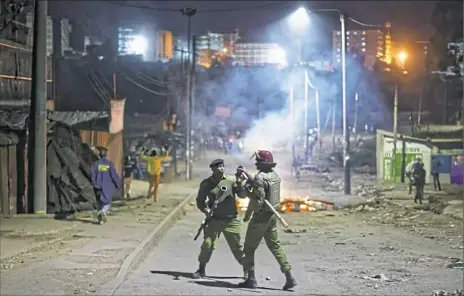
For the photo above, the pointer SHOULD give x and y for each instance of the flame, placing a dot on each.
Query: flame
(292, 204)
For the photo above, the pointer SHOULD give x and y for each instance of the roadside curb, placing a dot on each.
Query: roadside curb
(139, 253)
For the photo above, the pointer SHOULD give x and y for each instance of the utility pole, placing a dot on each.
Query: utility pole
(395, 130)
(56, 58)
(355, 123)
(318, 120)
(189, 12)
(192, 102)
(346, 135)
(37, 144)
(305, 133)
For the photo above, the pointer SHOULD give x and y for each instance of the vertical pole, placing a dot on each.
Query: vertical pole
(292, 121)
(403, 159)
(355, 123)
(37, 171)
(191, 103)
(56, 57)
(421, 97)
(445, 103)
(187, 113)
(318, 120)
(115, 95)
(333, 123)
(346, 136)
(395, 131)
(305, 133)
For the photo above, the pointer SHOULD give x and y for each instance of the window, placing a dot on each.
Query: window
(363, 43)
(364, 32)
(338, 49)
(363, 49)
(356, 33)
(338, 33)
(348, 43)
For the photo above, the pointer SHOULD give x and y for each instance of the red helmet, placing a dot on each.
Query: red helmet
(263, 156)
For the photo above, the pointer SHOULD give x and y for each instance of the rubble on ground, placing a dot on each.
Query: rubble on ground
(444, 293)
(365, 190)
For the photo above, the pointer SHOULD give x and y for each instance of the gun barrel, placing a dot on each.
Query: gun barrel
(279, 217)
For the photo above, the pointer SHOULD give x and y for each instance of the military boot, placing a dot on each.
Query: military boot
(200, 273)
(290, 281)
(250, 282)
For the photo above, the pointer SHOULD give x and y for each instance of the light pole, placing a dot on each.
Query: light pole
(402, 56)
(189, 12)
(346, 136)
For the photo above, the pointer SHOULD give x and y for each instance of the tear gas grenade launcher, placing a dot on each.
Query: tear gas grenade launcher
(210, 214)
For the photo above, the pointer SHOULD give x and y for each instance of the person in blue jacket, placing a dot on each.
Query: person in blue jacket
(105, 181)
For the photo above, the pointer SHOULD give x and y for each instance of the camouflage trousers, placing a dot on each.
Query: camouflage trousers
(230, 228)
(263, 225)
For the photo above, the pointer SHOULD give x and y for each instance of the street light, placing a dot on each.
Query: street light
(402, 56)
(346, 137)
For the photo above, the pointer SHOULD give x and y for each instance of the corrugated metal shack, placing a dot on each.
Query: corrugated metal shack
(13, 138)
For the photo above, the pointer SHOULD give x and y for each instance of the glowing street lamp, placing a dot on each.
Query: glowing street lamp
(299, 20)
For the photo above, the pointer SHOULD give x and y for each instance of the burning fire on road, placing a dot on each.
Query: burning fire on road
(294, 204)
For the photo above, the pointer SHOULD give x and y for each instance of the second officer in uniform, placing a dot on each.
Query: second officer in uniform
(225, 217)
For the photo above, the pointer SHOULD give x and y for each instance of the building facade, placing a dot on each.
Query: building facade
(373, 44)
(258, 54)
(66, 30)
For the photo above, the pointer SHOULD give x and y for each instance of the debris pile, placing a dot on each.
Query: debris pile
(372, 190)
(444, 293)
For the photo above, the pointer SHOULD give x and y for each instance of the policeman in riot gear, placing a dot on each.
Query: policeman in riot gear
(224, 220)
(263, 224)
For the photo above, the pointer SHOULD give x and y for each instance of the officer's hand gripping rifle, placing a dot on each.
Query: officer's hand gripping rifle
(210, 214)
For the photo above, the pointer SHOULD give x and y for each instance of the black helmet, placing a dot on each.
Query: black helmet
(102, 152)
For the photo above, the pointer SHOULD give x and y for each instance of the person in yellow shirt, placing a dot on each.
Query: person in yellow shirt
(154, 171)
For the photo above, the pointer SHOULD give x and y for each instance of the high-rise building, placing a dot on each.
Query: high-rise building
(259, 54)
(215, 46)
(66, 30)
(373, 44)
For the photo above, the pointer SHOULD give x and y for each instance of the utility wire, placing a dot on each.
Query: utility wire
(363, 24)
(161, 9)
(141, 86)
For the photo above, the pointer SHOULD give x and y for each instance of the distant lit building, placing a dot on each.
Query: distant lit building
(373, 44)
(66, 30)
(126, 37)
(215, 46)
(259, 54)
(165, 48)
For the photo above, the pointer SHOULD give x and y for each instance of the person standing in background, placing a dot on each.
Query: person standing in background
(105, 180)
(419, 181)
(154, 171)
(436, 164)
(130, 167)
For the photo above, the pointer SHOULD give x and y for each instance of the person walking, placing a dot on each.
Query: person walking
(436, 164)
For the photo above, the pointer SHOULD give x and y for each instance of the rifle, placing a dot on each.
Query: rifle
(248, 213)
(210, 214)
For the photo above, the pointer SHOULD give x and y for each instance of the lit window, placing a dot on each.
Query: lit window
(363, 43)
(364, 32)
(356, 33)
(363, 38)
(338, 49)
(348, 33)
(363, 49)
(338, 33)
(348, 38)
(348, 43)
(338, 60)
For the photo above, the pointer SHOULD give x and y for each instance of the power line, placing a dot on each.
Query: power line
(363, 24)
(161, 9)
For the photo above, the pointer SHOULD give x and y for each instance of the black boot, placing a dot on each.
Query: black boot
(250, 282)
(290, 281)
(200, 273)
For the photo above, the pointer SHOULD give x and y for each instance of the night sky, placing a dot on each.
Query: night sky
(410, 19)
